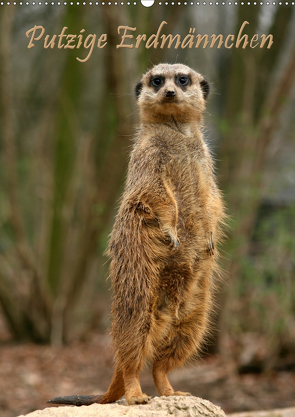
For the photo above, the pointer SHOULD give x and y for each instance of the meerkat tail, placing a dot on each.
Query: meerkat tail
(77, 400)
(115, 391)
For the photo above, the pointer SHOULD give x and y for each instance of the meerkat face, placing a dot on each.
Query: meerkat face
(172, 90)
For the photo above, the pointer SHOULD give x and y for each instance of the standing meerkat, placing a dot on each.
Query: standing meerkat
(163, 243)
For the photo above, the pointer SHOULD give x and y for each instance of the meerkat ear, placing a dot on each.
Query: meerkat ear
(205, 88)
(138, 89)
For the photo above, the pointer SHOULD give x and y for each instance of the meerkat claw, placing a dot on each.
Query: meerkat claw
(141, 399)
(210, 245)
(174, 240)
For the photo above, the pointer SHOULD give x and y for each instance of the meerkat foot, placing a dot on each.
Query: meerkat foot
(140, 399)
(172, 393)
(133, 392)
(180, 393)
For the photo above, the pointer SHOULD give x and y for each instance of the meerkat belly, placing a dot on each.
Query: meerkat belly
(188, 269)
(179, 287)
(176, 303)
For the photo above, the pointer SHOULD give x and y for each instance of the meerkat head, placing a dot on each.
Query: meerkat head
(171, 91)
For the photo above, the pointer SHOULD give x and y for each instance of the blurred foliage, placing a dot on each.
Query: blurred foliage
(267, 278)
(264, 296)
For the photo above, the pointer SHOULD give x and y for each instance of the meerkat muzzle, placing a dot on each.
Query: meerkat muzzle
(170, 93)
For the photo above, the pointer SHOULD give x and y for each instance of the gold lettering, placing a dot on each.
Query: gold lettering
(140, 38)
(254, 39)
(31, 44)
(214, 40)
(51, 43)
(102, 38)
(153, 39)
(80, 37)
(189, 39)
(226, 41)
(70, 39)
(124, 36)
(62, 35)
(171, 40)
(264, 39)
(244, 37)
(199, 40)
(90, 45)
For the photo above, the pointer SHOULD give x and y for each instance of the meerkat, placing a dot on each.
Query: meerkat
(163, 244)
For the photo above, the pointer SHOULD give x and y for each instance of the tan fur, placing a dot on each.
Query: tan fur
(161, 246)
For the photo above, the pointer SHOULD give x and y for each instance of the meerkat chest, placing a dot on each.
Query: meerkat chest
(188, 171)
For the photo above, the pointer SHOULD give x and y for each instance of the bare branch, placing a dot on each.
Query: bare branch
(273, 107)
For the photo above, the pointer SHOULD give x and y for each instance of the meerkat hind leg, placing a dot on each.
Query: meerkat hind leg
(160, 375)
(133, 392)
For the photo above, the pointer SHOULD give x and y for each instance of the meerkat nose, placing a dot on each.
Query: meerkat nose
(170, 93)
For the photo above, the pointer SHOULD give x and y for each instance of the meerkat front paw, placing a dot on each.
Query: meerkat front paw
(140, 207)
(146, 215)
(210, 245)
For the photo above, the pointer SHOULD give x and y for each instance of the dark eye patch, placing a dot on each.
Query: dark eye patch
(138, 89)
(157, 81)
(205, 88)
(183, 80)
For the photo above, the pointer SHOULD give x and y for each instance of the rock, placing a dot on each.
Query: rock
(157, 407)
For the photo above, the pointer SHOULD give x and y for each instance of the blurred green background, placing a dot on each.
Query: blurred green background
(65, 135)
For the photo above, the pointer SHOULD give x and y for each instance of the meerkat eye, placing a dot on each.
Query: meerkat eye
(157, 81)
(183, 80)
